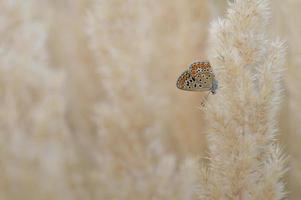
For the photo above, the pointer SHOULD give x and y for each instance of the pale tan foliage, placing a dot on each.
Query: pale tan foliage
(32, 107)
(244, 161)
(289, 25)
(166, 38)
(89, 107)
(133, 114)
(69, 130)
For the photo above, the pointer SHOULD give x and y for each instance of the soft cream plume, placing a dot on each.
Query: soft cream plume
(245, 162)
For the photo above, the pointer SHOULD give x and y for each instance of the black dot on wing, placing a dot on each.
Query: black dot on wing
(195, 85)
(193, 78)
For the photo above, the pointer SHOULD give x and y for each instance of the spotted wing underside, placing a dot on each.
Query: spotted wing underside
(198, 82)
(199, 67)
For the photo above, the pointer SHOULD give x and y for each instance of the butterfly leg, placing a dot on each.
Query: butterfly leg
(204, 100)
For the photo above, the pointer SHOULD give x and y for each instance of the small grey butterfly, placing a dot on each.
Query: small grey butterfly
(199, 77)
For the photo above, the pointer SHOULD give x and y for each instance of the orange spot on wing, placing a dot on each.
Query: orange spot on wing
(206, 65)
(182, 79)
(203, 66)
(194, 68)
(193, 72)
(181, 82)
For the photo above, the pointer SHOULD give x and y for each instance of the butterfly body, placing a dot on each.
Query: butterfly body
(199, 77)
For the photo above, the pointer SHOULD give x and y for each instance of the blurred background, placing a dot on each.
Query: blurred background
(89, 107)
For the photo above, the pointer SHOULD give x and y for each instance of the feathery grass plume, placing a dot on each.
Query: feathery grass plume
(131, 49)
(291, 29)
(169, 42)
(32, 125)
(245, 162)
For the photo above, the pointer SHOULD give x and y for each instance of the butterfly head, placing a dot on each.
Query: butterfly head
(214, 86)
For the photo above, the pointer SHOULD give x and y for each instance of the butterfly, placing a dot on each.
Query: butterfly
(199, 77)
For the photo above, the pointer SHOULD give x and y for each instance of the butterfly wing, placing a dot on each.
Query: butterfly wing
(199, 82)
(183, 81)
(204, 81)
(199, 77)
(200, 67)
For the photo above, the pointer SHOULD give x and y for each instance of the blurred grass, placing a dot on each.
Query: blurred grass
(50, 135)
